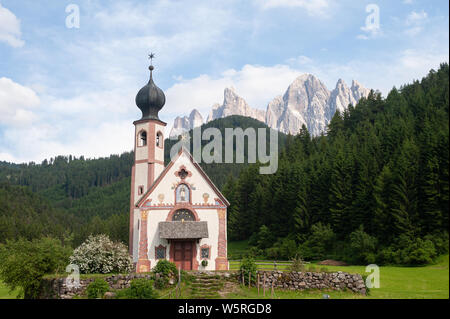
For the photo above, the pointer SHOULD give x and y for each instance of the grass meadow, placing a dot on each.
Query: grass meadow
(428, 282)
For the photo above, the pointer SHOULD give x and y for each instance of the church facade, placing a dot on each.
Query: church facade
(176, 212)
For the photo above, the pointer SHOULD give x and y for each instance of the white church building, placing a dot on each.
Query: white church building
(176, 212)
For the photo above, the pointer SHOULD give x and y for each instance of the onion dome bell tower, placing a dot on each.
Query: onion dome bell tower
(148, 149)
(150, 99)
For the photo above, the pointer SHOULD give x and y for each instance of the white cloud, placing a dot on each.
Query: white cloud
(415, 22)
(258, 85)
(15, 103)
(312, 7)
(10, 28)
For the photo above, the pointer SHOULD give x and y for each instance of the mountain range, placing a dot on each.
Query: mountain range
(307, 101)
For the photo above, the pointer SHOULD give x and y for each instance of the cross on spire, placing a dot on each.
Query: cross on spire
(150, 57)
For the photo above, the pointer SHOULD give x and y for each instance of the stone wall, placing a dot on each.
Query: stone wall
(55, 288)
(313, 280)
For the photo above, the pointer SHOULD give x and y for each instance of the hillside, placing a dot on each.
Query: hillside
(375, 189)
(85, 195)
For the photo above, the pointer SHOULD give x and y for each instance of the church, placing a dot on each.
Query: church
(176, 212)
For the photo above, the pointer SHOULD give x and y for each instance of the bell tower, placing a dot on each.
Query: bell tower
(148, 149)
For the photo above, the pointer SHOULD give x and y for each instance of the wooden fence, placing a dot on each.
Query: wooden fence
(264, 264)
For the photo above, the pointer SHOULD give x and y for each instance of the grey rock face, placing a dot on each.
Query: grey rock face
(304, 103)
(186, 123)
(307, 101)
(342, 96)
(234, 105)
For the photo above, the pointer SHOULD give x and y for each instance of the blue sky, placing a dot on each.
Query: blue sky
(71, 90)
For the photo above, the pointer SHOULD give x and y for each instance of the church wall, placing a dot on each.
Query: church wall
(209, 215)
(156, 216)
(140, 178)
(166, 185)
(141, 152)
(164, 196)
(136, 235)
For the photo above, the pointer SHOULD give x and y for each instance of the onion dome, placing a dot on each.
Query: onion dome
(150, 99)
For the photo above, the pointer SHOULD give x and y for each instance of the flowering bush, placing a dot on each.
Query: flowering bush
(97, 288)
(98, 254)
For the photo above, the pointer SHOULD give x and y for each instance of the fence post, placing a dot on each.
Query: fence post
(264, 284)
(179, 283)
(249, 278)
(275, 265)
(243, 282)
(272, 289)
(258, 284)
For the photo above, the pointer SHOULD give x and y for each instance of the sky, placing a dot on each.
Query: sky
(68, 82)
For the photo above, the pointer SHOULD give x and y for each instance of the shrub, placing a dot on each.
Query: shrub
(166, 270)
(318, 243)
(23, 263)
(248, 266)
(98, 254)
(408, 251)
(139, 289)
(362, 246)
(264, 239)
(297, 264)
(440, 241)
(161, 282)
(97, 288)
(284, 248)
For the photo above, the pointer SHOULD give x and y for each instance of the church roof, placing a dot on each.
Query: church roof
(150, 99)
(167, 168)
(183, 230)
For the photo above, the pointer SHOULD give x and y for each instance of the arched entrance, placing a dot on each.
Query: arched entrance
(184, 251)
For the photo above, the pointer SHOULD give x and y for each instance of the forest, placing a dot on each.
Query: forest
(374, 188)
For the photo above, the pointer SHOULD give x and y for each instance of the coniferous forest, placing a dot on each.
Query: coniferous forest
(373, 189)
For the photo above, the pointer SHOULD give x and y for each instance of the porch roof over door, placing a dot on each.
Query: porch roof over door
(183, 230)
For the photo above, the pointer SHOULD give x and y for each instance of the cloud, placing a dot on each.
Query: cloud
(312, 7)
(372, 27)
(415, 22)
(15, 103)
(258, 85)
(10, 28)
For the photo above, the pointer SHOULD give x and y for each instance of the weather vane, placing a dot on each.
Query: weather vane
(150, 57)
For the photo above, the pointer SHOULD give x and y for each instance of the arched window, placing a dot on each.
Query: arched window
(182, 193)
(142, 139)
(183, 215)
(159, 139)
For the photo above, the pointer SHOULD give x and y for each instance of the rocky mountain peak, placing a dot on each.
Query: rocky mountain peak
(307, 101)
(186, 123)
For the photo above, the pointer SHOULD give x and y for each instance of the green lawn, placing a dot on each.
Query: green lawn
(395, 283)
(5, 293)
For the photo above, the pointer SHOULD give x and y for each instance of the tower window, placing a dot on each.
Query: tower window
(140, 190)
(159, 139)
(142, 140)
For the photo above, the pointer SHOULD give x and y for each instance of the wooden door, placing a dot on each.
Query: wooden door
(183, 254)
